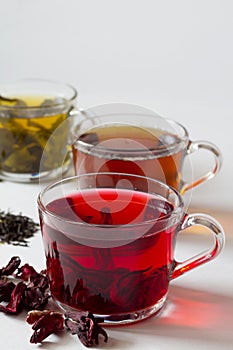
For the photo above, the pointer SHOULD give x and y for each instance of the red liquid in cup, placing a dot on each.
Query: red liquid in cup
(110, 279)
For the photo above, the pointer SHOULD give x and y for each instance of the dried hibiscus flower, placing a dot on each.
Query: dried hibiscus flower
(83, 324)
(6, 288)
(44, 323)
(30, 293)
(26, 271)
(10, 268)
(37, 293)
(86, 326)
(16, 301)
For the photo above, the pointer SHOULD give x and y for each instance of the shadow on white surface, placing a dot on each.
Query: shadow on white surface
(205, 319)
(190, 320)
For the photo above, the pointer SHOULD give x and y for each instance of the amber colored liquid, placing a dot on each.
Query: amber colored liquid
(110, 279)
(130, 149)
(24, 134)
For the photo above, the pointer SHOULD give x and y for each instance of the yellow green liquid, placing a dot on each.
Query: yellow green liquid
(24, 133)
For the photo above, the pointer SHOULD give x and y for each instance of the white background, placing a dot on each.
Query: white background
(175, 57)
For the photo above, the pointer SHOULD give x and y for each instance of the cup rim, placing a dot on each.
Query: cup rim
(71, 99)
(135, 154)
(176, 213)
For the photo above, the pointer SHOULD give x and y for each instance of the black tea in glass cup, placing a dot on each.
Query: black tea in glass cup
(132, 139)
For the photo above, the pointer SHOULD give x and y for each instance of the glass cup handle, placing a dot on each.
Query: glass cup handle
(195, 146)
(74, 116)
(81, 113)
(216, 229)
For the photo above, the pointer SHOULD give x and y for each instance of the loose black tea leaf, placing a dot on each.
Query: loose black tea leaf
(16, 229)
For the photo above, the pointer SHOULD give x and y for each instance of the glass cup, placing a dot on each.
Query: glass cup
(109, 243)
(132, 139)
(30, 112)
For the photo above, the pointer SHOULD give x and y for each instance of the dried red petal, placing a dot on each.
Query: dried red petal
(35, 299)
(37, 292)
(26, 271)
(16, 300)
(10, 268)
(86, 326)
(33, 295)
(39, 280)
(6, 289)
(35, 315)
(44, 323)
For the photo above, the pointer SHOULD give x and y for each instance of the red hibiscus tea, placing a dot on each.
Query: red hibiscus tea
(109, 242)
(116, 257)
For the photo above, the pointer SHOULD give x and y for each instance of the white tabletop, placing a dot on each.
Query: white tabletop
(198, 313)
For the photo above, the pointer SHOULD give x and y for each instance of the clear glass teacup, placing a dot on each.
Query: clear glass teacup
(110, 241)
(31, 111)
(119, 137)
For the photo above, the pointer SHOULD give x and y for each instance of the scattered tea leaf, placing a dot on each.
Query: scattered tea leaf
(16, 229)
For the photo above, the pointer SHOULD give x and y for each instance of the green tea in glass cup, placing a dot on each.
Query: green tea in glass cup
(33, 116)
